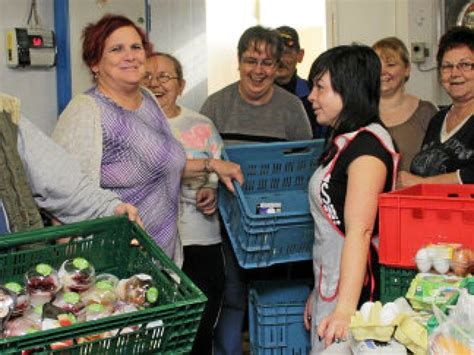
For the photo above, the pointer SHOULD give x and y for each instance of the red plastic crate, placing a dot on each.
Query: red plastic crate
(413, 217)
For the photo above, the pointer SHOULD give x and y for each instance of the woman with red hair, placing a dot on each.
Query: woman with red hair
(121, 136)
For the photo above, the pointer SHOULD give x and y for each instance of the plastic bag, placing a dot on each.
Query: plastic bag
(455, 334)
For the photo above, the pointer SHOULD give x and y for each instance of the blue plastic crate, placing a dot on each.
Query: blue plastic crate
(276, 311)
(277, 172)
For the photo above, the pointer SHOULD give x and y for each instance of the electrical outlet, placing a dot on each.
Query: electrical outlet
(418, 52)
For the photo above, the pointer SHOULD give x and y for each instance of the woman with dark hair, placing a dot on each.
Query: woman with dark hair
(121, 137)
(447, 152)
(359, 163)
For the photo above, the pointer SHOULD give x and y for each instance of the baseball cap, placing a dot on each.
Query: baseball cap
(289, 36)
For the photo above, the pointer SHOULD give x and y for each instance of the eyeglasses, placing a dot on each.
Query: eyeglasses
(461, 66)
(162, 77)
(254, 62)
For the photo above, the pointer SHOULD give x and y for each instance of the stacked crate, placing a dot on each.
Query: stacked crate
(274, 173)
(411, 218)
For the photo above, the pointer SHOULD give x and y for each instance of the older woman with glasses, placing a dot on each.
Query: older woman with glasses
(198, 225)
(447, 152)
(121, 137)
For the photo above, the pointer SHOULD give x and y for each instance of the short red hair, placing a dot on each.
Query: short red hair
(94, 36)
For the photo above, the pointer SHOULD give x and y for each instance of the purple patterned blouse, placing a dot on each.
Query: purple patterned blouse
(142, 162)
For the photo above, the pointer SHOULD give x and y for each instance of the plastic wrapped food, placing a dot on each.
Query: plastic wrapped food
(35, 314)
(7, 306)
(461, 262)
(22, 298)
(55, 317)
(96, 311)
(123, 308)
(20, 326)
(139, 290)
(70, 302)
(103, 291)
(77, 275)
(93, 312)
(42, 283)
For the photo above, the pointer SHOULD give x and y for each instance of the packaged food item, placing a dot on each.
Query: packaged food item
(103, 291)
(427, 289)
(20, 326)
(123, 308)
(77, 275)
(379, 324)
(42, 283)
(461, 261)
(55, 317)
(139, 290)
(413, 334)
(269, 207)
(373, 347)
(455, 332)
(7, 306)
(93, 312)
(444, 256)
(69, 302)
(423, 260)
(96, 311)
(35, 314)
(22, 298)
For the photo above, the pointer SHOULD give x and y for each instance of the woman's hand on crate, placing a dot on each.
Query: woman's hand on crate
(227, 171)
(129, 210)
(406, 179)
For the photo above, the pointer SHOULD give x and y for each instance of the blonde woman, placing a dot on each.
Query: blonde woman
(406, 116)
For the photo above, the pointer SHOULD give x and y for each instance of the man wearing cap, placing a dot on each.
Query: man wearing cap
(287, 78)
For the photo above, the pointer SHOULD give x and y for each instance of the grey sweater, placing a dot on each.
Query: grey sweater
(56, 180)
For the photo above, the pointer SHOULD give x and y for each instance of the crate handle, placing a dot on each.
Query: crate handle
(299, 150)
(53, 233)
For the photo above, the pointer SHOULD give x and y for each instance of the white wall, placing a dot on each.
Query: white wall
(226, 21)
(223, 32)
(178, 27)
(36, 88)
(83, 12)
(367, 21)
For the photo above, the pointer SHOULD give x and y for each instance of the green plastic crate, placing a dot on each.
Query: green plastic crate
(169, 327)
(394, 282)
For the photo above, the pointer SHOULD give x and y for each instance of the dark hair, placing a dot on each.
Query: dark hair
(457, 36)
(94, 36)
(256, 35)
(355, 76)
(176, 63)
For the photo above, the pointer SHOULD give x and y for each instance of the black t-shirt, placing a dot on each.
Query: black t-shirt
(457, 152)
(365, 143)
